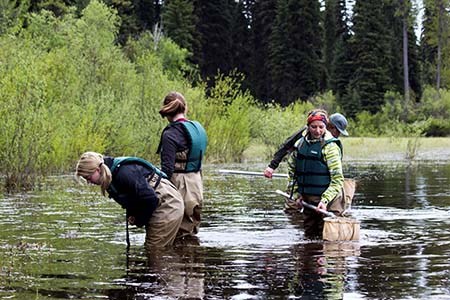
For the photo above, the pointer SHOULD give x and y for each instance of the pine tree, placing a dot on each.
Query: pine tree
(280, 55)
(393, 26)
(178, 21)
(214, 22)
(146, 14)
(415, 70)
(434, 42)
(129, 23)
(58, 7)
(295, 50)
(372, 57)
(335, 31)
(428, 48)
(308, 52)
(241, 40)
(263, 13)
(342, 73)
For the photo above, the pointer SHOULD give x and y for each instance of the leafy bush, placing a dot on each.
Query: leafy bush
(435, 104)
(227, 115)
(437, 127)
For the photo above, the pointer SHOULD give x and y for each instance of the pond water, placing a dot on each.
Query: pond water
(68, 242)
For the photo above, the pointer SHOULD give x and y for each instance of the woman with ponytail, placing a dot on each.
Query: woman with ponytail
(146, 194)
(182, 148)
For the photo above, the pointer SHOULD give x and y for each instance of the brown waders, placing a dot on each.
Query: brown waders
(165, 222)
(313, 221)
(190, 186)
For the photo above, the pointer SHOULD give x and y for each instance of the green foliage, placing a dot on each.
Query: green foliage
(326, 101)
(12, 15)
(429, 118)
(173, 58)
(435, 104)
(273, 124)
(434, 111)
(437, 127)
(227, 115)
(66, 88)
(385, 122)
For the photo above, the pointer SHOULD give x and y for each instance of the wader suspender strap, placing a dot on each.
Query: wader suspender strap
(158, 180)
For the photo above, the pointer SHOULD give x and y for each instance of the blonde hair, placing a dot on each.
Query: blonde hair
(88, 163)
(173, 104)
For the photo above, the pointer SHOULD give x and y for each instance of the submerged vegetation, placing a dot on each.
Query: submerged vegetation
(67, 87)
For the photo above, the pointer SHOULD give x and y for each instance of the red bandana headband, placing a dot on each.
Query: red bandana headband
(317, 117)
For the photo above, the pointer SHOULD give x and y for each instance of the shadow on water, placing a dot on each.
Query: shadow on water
(67, 242)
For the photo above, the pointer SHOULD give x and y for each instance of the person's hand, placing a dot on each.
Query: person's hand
(131, 220)
(322, 206)
(299, 202)
(268, 172)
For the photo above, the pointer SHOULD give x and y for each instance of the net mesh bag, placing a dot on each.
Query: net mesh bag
(341, 229)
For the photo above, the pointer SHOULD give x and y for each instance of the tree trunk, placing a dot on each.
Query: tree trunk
(405, 56)
(441, 12)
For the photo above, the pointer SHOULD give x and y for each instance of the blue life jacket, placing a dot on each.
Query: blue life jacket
(311, 171)
(197, 140)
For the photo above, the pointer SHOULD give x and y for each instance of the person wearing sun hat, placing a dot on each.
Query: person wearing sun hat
(337, 125)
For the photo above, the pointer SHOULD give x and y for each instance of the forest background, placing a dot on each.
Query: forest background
(78, 75)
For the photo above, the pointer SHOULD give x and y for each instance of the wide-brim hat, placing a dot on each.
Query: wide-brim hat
(340, 122)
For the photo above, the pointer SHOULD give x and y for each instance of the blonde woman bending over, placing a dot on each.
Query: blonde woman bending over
(146, 194)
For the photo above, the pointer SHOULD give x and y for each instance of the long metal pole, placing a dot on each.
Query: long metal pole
(248, 173)
(327, 213)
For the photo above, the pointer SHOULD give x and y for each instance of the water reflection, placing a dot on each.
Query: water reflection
(321, 269)
(170, 274)
(66, 243)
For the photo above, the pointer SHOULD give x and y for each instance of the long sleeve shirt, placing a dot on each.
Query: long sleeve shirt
(286, 148)
(173, 139)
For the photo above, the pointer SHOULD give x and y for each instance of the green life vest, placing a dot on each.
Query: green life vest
(198, 141)
(311, 171)
(119, 161)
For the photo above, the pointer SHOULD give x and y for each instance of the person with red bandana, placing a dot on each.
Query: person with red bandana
(337, 126)
(316, 169)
